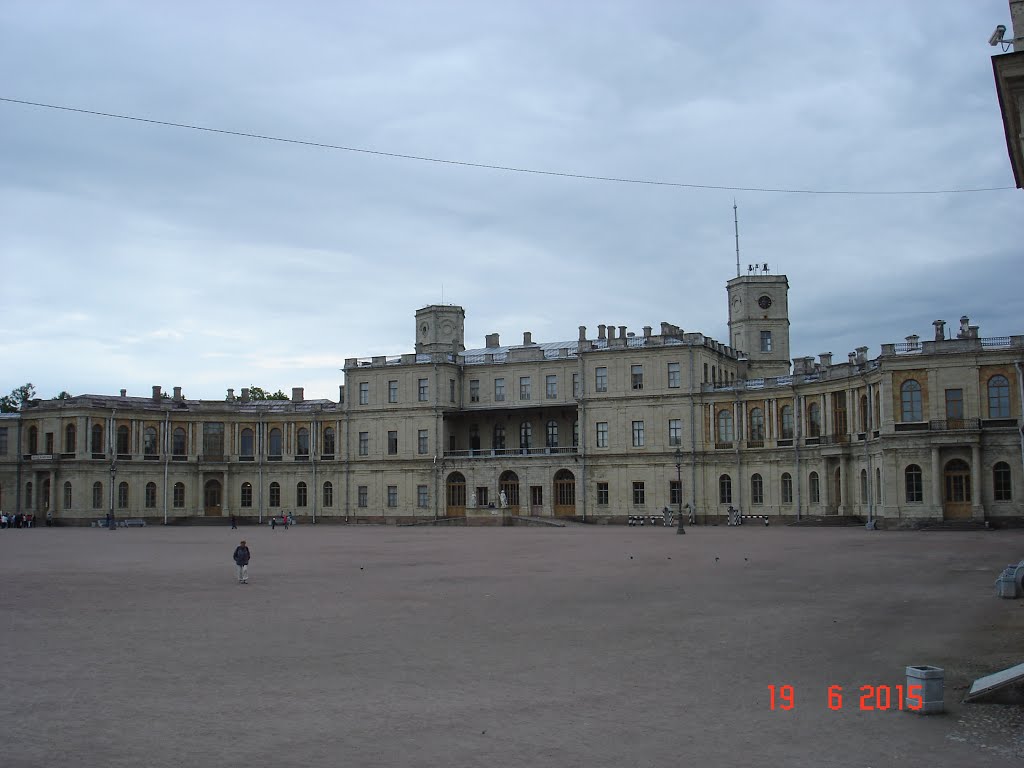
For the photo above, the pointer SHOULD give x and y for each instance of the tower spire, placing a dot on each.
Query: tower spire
(736, 225)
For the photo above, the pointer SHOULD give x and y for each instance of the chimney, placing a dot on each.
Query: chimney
(862, 355)
(177, 393)
(296, 394)
(491, 340)
(156, 393)
(600, 331)
(666, 328)
(527, 338)
(583, 333)
(913, 339)
(124, 393)
(973, 332)
(826, 359)
(611, 333)
(940, 330)
(965, 331)
(245, 394)
(231, 394)
(647, 331)
(622, 331)
(851, 358)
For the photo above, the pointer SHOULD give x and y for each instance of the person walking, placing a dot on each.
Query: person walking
(242, 561)
(234, 525)
(273, 523)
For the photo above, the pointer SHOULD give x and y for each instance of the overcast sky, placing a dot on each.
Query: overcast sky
(135, 254)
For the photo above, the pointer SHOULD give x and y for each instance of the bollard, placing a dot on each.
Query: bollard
(931, 684)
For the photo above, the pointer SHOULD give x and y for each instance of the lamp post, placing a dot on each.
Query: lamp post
(679, 488)
(113, 475)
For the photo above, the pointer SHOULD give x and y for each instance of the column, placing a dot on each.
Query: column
(977, 509)
(936, 500)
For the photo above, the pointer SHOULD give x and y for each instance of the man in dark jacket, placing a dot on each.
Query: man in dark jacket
(242, 561)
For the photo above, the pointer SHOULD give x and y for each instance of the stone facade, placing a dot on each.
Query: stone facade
(595, 428)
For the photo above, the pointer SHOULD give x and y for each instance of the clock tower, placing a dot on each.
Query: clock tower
(440, 328)
(759, 320)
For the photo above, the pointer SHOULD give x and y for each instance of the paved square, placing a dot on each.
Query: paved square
(596, 646)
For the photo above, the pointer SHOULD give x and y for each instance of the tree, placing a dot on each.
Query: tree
(64, 395)
(259, 393)
(12, 403)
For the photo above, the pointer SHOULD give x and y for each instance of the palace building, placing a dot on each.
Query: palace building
(606, 426)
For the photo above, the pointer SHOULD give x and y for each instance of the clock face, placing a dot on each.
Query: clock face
(764, 302)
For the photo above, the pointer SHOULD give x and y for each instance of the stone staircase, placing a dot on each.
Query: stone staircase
(828, 521)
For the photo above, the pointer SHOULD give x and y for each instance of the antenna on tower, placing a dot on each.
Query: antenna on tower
(736, 225)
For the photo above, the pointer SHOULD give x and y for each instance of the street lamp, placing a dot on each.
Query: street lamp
(113, 475)
(679, 488)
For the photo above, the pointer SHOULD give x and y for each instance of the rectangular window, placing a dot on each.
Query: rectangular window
(954, 404)
(392, 495)
(602, 434)
(675, 431)
(213, 439)
(422, 390)
(97, 496)
(524, 387)
(421, 441)
(364, 443)
(636, 376)
(392, 442)
(766, 341)
(638, 434)
(675, 493)
(915, 489)
(392, 391)
(451, 390)
(364, 392)
(364, 493)
(499, 390)
(3, 441)
(638, 494)
(474, 390)
(602, 494)
(537, 495)
(482, 499)
(576, 385)
(551, 386)
(601, 379)
(673, 375)
(179, 495)
(422, 497)
(48, 442)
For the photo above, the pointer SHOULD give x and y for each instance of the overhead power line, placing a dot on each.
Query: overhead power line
(507, 168)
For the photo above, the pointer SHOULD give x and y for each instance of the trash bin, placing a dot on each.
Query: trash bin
(930, 685)
(1008, 583)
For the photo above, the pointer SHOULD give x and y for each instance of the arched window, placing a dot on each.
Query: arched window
(814, 488)
(302, 444)
(328, 494)
(725, 426)
(275, 442)
(149, 441)
(178, 442)
(122, 439)
(756, 424)
(915, 492)
(756, 489)
(725, 490)
(246, 495)
(525, 435)
(248, 443)
(275, 495)
(97, 439)
(300, 495)
(786, 417)
(998, 398)
(150, 495)
(179, 495)
(33, 440)
(69, 438)
(122, 496)
(786, 487)
(67, 494)
(863, 413)
(552, 434)
(1001, 482)
(329, 441)
(97, 495)
(864, 486)
(876, 413)
(499, 437)
(814, 420)
(910, 399)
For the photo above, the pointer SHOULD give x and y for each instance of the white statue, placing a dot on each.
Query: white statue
(503, 500)
(472, 500)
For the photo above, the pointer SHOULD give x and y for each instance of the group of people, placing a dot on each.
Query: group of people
(16, 521)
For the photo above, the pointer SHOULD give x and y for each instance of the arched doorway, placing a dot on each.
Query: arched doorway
(508, 484)
(456, 495)
(211, 498)
(565, 494)
(956, 504)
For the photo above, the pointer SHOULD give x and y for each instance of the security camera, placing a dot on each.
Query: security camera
(997, 36)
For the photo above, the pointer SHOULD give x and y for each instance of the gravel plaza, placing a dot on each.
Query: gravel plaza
(583, 645)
